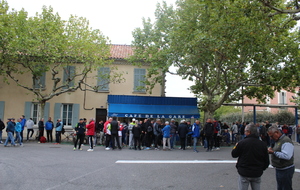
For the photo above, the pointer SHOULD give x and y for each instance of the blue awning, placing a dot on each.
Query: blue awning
(152, 107)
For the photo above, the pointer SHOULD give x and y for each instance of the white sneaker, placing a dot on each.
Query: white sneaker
(1, 142)
(90, 150)
(107, 148)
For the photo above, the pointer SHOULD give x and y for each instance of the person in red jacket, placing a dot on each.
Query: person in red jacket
(90, 133)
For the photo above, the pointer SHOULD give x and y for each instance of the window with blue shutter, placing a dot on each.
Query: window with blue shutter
(103, 79)
(2, 105)
(69, 73)
(40, 81)
(139, 78)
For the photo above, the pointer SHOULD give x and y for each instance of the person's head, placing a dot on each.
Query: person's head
(30, 118)
(274, 133)
(101, 121)
(197, 122)
(188, 122)
(80, 120)
(13, 119)
(182, 121)
(19, 120)
(133, 120)
(49, 118)
(166, 123)
(172, 120)
(226, 130)
(251, 130)
(59, 120)
(109, 119)
(158, 121)
(23, 116)
(208, 120)
(92, 119)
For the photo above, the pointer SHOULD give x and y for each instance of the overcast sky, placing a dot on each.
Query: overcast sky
(115, 18)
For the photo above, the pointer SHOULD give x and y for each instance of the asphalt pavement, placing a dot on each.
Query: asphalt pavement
(56, 167)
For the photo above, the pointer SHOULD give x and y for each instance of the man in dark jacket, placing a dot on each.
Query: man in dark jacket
(157, 127)
(253, 159)
(79, 131)
(173, 133)
(208, 131)
(2, 126)
(182, 131)
(137, 131)
(10, 129)
(114, 133)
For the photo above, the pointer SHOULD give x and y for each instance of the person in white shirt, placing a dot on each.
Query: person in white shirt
(29, 124)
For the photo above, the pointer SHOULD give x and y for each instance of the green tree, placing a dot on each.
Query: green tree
(220, 47)
(45, 43)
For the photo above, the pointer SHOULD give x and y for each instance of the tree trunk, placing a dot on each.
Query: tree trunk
(42, 109)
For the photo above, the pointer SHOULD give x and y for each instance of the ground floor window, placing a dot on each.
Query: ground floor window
(67, 113)
(35, 109)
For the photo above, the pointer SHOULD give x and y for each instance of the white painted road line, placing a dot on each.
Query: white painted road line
(182, 162)
(176, 161)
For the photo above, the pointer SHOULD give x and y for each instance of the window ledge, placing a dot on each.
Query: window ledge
(103, 91)
(139, 92)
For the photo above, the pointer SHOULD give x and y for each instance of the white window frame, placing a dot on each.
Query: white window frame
(67, 112)
(284, 98)
(34, 113)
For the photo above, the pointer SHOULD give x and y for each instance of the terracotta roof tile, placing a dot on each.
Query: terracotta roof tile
(120, 51)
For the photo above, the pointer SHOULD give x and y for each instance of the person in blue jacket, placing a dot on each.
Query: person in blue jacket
(18, 129)
(10, 130)
(166, 136)
(196, 133)
(49, 127)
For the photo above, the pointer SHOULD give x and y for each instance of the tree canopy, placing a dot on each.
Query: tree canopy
(221, 47)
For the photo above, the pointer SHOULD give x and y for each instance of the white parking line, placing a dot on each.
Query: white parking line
(182, 162)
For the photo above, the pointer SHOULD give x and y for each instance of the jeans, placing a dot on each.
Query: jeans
(90, 139)
(130, 139)
(11, 137)
(165, 140)
(101, 137)
(18, 134)
(95, 138)
(284, 178)
(195, 143)
(28, 131)
(173, 140)
(58, 137)
(245, 181)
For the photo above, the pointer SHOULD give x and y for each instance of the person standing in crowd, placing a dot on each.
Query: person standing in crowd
(41, 128)
(29, 124)
(166, 136)
(137, 131)
(263, 133)
(100, 127)
(107, 133)
(234, 133)
(253, 159)
(49, 127)
(157, 133)
(208, 133)
(90, 133)
(282, 157)
(18, 130)
(182, 131)
(79, 131)
(148, 134)
(189, 135)
(96, 133)
(130, 134)
(217, 129)
(23, 122)
(268, 124)
(173, 133)
(10, 130)
(2, 126)
(196, 133)
(59, 126)
(114, 133)
(298, 133)
(143, 135)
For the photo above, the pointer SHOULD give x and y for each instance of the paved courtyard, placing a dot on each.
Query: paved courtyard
(55, 167)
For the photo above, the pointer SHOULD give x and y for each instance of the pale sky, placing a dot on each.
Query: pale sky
(115, 18)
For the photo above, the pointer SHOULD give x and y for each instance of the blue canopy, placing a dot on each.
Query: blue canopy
(152, 107)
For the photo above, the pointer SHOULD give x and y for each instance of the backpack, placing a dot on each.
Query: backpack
(63, 130)
(149, 129)
(42, 139)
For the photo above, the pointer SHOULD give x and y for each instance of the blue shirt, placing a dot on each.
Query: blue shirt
(166, 130)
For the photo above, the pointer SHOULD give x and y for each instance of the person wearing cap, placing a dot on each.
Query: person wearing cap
(18, 129)
(79, 131)
(10, 130)
(166, 136)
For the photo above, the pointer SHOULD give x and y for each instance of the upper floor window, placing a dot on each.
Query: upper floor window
(69, 72)
(103, 79)
(139, 78)
(40, 81)
(282, 99)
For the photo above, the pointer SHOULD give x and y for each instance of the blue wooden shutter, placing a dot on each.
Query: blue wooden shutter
(57, 111)
(27, 110)
(69, 72)
(2, 106)
(75, 117)
(46, 111)
(103, 78)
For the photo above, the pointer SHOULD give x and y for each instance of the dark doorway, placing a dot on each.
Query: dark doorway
(101, 115)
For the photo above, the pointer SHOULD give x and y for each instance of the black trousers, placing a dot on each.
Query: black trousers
(210, 142)
(216, 140)
(149, 138)
(113, 138)
(41, 133)
(137, 142)
(49, 135)
(90, 137)
(157, 140)
(80, 138)
(108, 137)
(182, 142)
(28, 131)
